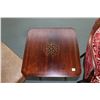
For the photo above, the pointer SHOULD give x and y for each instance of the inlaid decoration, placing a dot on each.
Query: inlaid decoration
(52, 49)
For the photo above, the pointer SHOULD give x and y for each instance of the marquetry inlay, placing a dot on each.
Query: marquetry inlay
(52, 49)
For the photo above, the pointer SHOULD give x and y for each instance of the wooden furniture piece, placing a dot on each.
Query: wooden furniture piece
(51, 52)
(10, 66)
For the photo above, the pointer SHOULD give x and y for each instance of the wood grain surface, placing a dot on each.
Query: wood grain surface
(51, 52)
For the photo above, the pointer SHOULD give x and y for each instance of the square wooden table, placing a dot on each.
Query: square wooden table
(51, 52)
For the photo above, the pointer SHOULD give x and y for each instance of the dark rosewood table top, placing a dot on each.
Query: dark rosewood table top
(51, 52)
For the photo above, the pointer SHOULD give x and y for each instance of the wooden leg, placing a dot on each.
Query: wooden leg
(65, 78)
(40, 78)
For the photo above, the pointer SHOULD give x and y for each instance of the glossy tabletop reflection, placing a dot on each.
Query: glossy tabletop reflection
(51, 52)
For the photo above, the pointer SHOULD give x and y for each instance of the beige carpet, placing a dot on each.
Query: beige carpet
(10, 65)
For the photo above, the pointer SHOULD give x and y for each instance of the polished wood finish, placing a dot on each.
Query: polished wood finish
(51, 52)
